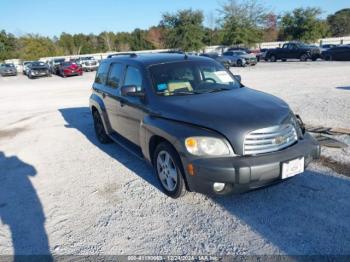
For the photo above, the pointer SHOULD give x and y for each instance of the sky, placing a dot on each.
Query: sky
(52, 17)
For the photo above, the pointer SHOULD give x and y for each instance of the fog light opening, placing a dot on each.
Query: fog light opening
(218, 187)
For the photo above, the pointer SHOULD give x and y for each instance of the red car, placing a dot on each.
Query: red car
(69, 69)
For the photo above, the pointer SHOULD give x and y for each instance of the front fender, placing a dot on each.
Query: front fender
(173, 131)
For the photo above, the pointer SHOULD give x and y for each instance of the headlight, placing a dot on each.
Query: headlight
(210, 146)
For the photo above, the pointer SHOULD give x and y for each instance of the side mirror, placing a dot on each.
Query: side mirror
(238, 78)
(131, 91)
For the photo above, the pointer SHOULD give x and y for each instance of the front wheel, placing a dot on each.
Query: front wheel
(273, 58)
(168, 167)
(240, 63)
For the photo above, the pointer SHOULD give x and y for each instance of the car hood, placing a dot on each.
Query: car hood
(39, 67)
(232, 113)
(11, 69)
(248, 56)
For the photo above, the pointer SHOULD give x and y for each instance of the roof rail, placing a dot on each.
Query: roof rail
(121, 54)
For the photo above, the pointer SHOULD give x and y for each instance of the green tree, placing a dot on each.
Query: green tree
(66, 43)
(8, 45)
(303, 24)
(32, 47)
(139, 40)
(184, 30)
(242, 22)
(339, 22)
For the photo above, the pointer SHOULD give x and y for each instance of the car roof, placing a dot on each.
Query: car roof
(157, 58)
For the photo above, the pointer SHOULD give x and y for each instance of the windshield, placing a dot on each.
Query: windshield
(37, 64)
(239, 53)
(67, 63)
(8, 65)
(58, 60)
(190, 77)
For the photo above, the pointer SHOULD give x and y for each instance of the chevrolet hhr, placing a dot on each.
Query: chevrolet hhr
(199, 127)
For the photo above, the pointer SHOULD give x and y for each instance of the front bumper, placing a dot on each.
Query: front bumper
(244, 173)
(90, 67)
(12, 73)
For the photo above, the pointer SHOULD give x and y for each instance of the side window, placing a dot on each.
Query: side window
(114, 75)
(101, 75)
(133, 77)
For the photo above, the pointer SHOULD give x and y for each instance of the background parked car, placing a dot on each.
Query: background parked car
(25, 65)
(338, 53)
(293, 50)
(240, 58)
(244, 49)
(326, 47)
(38, 69)
(54, 65)
(226, 62)
(8, 70)
(69, 69)
(88, 63)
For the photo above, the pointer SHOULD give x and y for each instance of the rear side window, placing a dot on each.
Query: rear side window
(133, 77)
(101, 75)
(114, 75)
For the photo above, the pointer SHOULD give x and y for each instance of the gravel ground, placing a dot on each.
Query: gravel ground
(61, 192)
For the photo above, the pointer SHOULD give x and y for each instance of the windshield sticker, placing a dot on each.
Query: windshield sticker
(223, 76)
(162, 87)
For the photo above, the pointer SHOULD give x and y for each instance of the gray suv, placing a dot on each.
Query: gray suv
(8, 70)
(197, 125)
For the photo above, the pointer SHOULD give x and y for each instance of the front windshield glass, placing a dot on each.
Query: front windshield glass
(240, 53)
(191, 77)
(38, 64)
(9, 65)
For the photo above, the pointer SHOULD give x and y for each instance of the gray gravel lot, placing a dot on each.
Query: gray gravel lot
(61, 192)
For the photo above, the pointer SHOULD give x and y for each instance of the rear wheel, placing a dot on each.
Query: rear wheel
(239, 62)
(303, 57)
(100, 131)
(168, 167)
(273, 58)
(284, 60)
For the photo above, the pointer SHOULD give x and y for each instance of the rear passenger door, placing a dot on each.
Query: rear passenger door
(108, 79)
(131, 109)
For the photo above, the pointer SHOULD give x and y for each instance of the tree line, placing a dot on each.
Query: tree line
(234, 23)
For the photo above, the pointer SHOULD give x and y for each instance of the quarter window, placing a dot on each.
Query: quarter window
(133, 77)
(101, 75)
(114, 75)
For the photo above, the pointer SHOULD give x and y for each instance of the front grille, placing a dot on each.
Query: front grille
(269, 139)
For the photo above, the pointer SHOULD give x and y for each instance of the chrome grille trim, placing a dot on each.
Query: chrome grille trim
(269, 139)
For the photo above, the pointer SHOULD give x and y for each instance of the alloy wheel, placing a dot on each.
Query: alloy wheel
(167, 170)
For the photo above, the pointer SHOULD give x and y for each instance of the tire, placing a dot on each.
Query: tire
(273, 58)
(100, 131)
(169, 170)
(239, 63)
(303, 57)
(328, 58)
(284, 60)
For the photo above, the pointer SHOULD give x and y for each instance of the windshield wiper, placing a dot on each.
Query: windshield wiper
(180, 92)
(216, 90)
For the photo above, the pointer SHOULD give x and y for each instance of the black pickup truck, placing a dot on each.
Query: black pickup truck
(293, 51)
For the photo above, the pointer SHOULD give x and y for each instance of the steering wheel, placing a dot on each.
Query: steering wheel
(209, 79)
